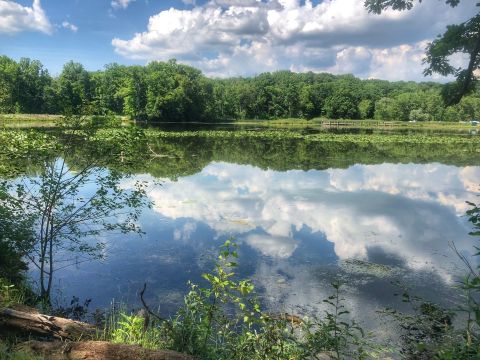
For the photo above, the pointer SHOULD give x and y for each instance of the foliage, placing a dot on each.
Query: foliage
(418, 115)
(16, 237)
(377, 6)
(63, 221)
(169, 91)
(20, 149)
(462, 38)
(130, 329)
(12, 266)
(225, 320)
(10, 294)
(74, 88)
(6, 353)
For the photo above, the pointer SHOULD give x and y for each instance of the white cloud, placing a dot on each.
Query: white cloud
(241, 37)
(185, 233)
(275, 246)
(15, 18)
(411, 211)
(70, 26)
(121, 4)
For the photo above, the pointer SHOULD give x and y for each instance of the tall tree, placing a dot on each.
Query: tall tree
(31, 82)
(461, 38)
(8, 78)
(74, 87)
(134, 92)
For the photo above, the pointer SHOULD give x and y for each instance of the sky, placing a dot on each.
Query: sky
(227, 38)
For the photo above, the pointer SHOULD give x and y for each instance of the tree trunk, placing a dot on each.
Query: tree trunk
(30, 321)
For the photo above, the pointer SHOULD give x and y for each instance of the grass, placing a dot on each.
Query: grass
(10, 294)
(7, 353)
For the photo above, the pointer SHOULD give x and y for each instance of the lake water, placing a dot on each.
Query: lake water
(371, 218)
(377, 215)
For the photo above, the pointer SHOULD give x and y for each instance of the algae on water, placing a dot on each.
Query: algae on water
(361, 267)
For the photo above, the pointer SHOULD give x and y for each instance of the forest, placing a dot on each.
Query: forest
(170, 91)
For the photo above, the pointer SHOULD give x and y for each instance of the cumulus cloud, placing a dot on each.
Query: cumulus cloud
(16, 18)
(185, 233)
(276, 246)
(69, 26)
(121, 4)
(241, 37)
(411, 211)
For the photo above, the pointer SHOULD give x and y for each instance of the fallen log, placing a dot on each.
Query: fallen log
(28, 320)
(96, 350)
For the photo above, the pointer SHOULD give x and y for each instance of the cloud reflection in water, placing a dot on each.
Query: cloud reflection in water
(412, 211)
(298, 230)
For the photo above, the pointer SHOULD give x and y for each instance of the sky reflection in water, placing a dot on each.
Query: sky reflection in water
(298, 230)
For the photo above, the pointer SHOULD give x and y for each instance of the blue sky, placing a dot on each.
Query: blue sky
(97, 22)
(227, 37)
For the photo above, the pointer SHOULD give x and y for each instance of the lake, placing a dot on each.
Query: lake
(379, 212)
(376, 216)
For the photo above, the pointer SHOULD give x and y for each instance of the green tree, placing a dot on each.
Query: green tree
(433, 105)
(108, 86)
(418, 115)
(366, 109)
(134, 92)
(340, 106)
(74, 87)
(451, 114)
(459, 38)
(32, 80)
(8, 81)
(67, 213)
(175, 92)
(469, 108)
(385, 109)
(404, 104)
(308, 106)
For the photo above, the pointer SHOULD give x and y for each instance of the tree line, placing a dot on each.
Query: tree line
(169, 91)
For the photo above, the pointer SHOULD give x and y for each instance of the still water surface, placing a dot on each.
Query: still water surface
(369, 225)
